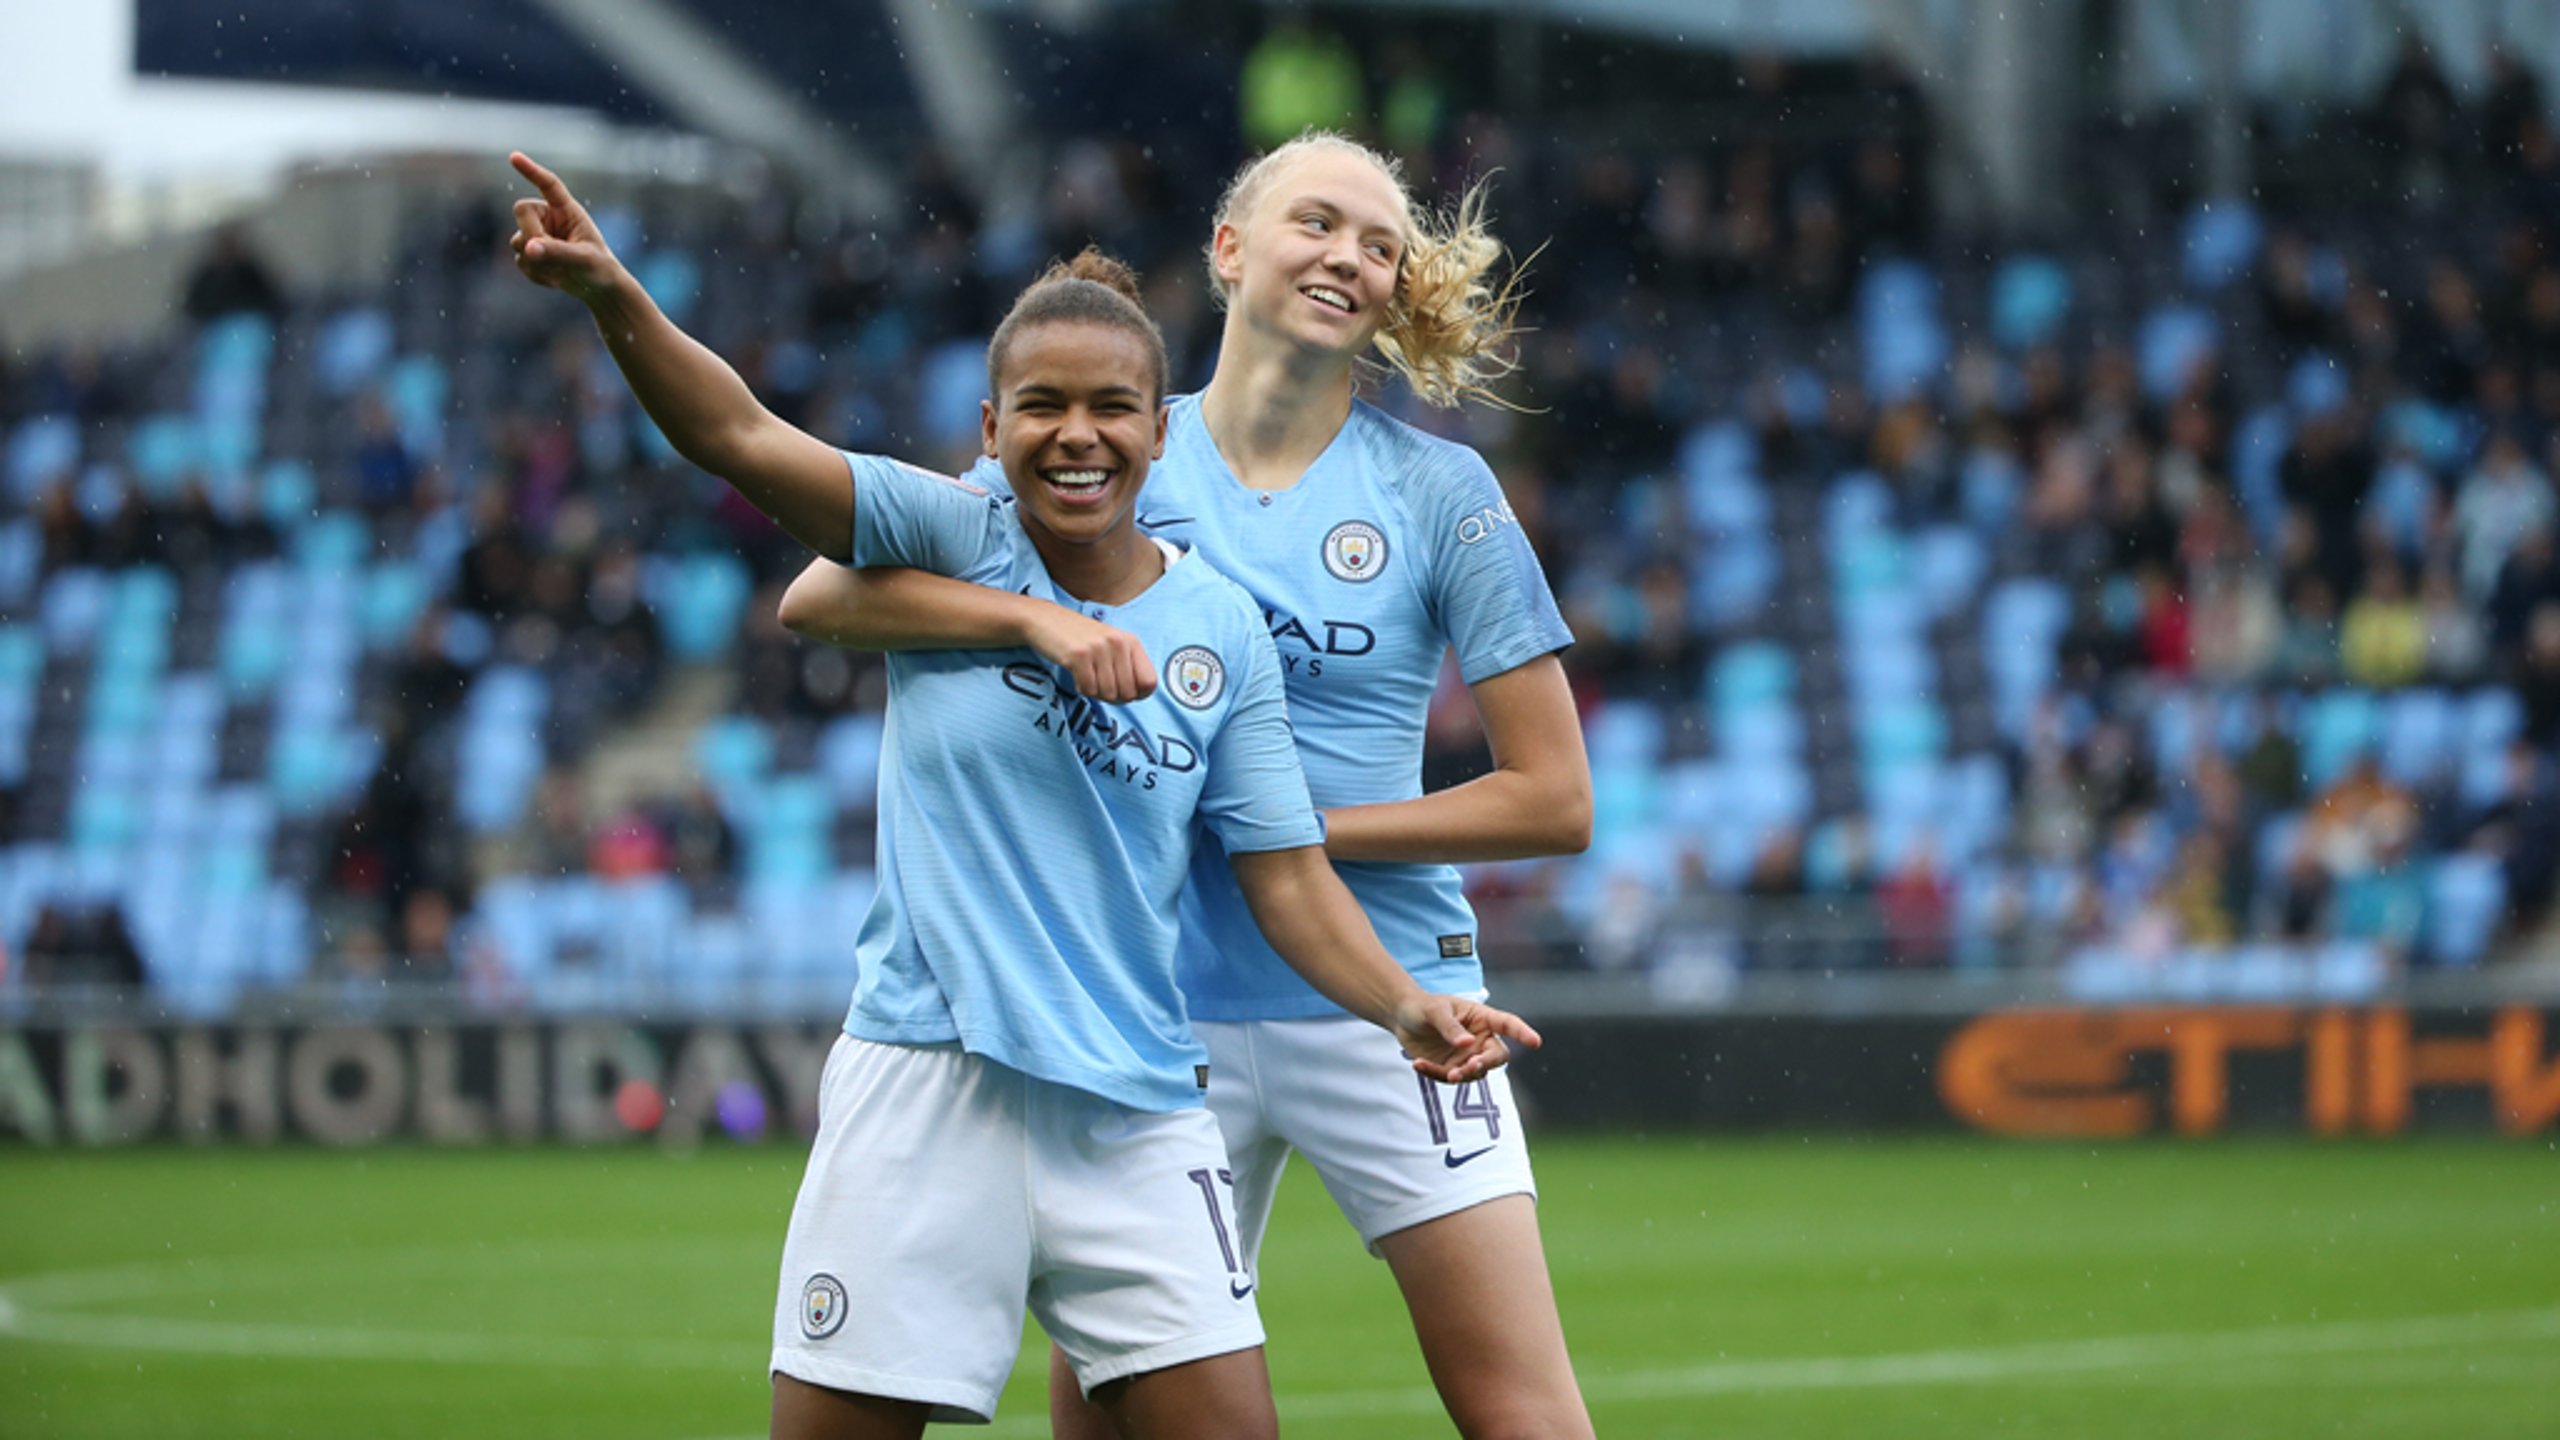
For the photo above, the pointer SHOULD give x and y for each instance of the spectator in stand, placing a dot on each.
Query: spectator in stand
(1300, 78)
(231, 279)
(2503, 500)
(2382, 641)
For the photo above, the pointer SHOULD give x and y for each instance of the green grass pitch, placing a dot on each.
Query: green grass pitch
(1818, 1288)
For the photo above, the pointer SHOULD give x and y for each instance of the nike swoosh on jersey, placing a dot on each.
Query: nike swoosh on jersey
(1156, 522)
(1453, 1160)
(1239, 1291)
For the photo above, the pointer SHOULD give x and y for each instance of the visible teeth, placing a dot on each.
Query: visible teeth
(1076, 479)
(1334, 298)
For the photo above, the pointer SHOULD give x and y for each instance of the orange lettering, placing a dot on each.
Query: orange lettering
(2526, 1089)
(2200, 1043)
(2043, 1073)
(2328, 1080)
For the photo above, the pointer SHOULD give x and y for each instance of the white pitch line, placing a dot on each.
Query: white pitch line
(1944, 1367)
(2172, 1351)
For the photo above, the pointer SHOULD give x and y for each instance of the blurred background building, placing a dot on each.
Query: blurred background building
(2055, 499)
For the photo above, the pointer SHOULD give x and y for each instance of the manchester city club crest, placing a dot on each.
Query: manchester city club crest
(1196, 676)
(1355, 550)
(821, 1306)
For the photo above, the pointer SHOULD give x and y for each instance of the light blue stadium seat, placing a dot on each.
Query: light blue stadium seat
(2170, 342)
(416, 391)
(1900, 732)
(1719, 448)
(508, 914)
(1890, 670)
(41, 450)
(2418, 737)
(645, 917)
(74, 607)
(21, 558)
(395, 595)
(1905, 343)
(794, 933)
(232, 865)
(1624, 796)
(284, 936)
(1906, 806)
(352, 349)
(333, 542)
(1736, 579)
(2220, 243)
(1947, 566)
(673, 279)
(1724, 498)
(1829, 859)
(1772, 793)
(1769, 730)
(849, 757)
(2466, 903)
(697, 599)
(162, 451)
(788, 842)
(2257, 451)
(733, 753)
(1625, 732)
(1869, 561)
(2178, 720)
(1856, 503)
(2338, 727)
(1748, 673)
(707, 967)
(2030, 298)
(499, 769)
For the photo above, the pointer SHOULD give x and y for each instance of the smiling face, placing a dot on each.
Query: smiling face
(1314, 262)
(1075, 423)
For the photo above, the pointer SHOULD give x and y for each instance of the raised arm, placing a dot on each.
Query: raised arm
(1535, 801)
(1311, 919)
(707, 413)
(889, 608)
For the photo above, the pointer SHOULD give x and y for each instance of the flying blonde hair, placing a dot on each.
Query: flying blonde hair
(1450, 328)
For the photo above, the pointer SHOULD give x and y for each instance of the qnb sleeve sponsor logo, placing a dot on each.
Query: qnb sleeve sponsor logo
(1483, 524)
(1355, 550)
(1116, 748)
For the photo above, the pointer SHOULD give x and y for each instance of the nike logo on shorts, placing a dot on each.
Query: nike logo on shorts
(1239, 1289)
(1453, 1159)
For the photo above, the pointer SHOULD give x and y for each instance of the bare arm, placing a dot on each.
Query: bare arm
(889, 608)
(707, 413)
(1311, 919)
(1535, 801)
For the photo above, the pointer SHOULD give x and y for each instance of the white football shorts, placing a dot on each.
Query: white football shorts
(945, 1193)
(1392, 1148)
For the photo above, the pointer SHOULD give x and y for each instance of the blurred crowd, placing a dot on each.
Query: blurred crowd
(2268, 459)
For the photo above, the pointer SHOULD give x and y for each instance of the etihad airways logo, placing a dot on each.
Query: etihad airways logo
(1113, 747)
(1304, 647)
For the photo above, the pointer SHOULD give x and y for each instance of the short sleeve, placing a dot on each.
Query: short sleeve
(1488, 592)
(911, 517)
(1255, 796)
(989, 472)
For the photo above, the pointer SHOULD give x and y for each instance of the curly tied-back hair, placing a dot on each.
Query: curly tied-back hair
(1093, 288)
(1450, 327)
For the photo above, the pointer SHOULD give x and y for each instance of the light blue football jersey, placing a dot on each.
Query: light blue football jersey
(1394, 547)
(1034, 844)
